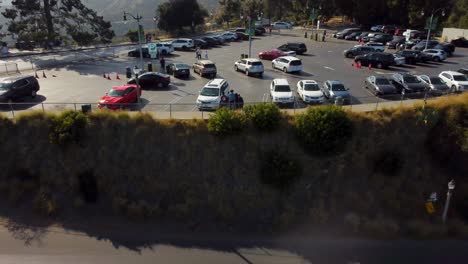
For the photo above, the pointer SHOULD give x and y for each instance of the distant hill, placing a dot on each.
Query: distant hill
(112, 10)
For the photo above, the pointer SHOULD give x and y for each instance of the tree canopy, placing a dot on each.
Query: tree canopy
(177, 14)
(48, 20)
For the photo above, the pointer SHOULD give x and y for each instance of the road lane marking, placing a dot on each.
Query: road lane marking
(329, 68)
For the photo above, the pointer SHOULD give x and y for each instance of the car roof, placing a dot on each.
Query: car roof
(310, 81)
(291, 58)
(252, 59)
(215, 83)
(206, 62)
(123, 87)
(281, 81)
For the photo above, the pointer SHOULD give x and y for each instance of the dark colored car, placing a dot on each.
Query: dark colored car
(211, 41)
(408, 83)
(151, 80)
(25, 45)
(298, 47)
(379, 85)
(422, 45)
(262, 30)
(436, 85)
(395, 42)
(240, 30)
(180, 70)
(460, 42)
(201, 43)
(353, 35)
(357, 50)
(414, 56)
(136, 53)
(382, 38)
(376, 59)
(361, 36)
(389, 29)
(463, 71)
(447, 47)
(342, 34)
(18, 87)
(242, 36)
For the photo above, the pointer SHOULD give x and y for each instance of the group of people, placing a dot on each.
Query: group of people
(232, 100)
(198, 54)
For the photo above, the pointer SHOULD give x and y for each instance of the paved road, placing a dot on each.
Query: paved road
(55, 245)
(79, 75)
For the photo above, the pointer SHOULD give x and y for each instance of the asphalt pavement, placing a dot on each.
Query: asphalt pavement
(77, 78)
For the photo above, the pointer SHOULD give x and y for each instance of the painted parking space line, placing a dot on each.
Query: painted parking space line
(329, 68)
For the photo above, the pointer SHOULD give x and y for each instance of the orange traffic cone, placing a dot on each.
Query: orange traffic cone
(117, 77)
(37, 76)
(43, 74)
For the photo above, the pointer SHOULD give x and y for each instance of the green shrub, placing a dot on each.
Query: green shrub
(278, 170)
(265, 117)
(225, 122)
(423, 229)
(381, 228)
(68, 127)
(324, 130)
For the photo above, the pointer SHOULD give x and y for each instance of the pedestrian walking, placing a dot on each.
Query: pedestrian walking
(206, 54)
(198, 53)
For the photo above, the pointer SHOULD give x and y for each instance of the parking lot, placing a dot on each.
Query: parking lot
(82, 81)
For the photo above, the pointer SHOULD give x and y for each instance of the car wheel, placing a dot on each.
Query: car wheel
(379, 65)
(235, 68)
(164, 52)
(260, 75)
(437, 59)
(349, 55)
(285, 70)
(160, 85)
(33, 93)
(453, 89)
(184, 48)
(260, 57)
(247, 72)
(273, 65)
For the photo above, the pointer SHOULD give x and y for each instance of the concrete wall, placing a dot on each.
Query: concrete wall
(453, 33)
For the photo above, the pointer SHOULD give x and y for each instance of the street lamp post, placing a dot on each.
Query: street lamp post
(137, 18)
(430, 23)
(451, 186)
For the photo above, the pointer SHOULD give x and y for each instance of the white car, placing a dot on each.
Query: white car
(183, 43)
(165, 48)
(229, 36)
(310, 92)
(287, 64)
(250, 66)
(281, 93)
(211, 94)
(282, 25)
(455, 80)
(377, 46)
(399, 60)
(437, 54)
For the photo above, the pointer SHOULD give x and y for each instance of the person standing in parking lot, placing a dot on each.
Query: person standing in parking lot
(162, 62)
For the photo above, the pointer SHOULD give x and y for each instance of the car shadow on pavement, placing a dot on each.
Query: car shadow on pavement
(24, 104)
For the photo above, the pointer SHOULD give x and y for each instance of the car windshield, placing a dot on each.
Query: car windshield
(411, 79)
(209, 66)
(115, 93)
(282, 88)
(257, 63)
(206, 91)
(338, 87)
(381, 81)
(436, 80)
(295, 62)
(311, 87)
(460, 78)
(181, 66)
(5, 86)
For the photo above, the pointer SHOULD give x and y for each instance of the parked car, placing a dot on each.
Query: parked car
(377, 28)
(249, 66)
(211, 41)
(180, 70)
(18, 87)
(229, 36)
(379, 85)
(399, 60)
(357, 50)
(436, 54)
(463, 71)
(334, 90)
(383, 38)
(378, 47)
(281, 25)
(151, 80)
(242, 36)
(261, 29)
(281, 93)
(219, 40)
(120, 96)
(399, 31)
(376, 59)
(287, 64)
(183, 44)
(240, 30)
(436, 85)
(395, 42)
(389, 29)
(164, 48)
(205, 68)
(211, 94)
(342, 34)
(422, 45)
(460, 42)
(413, 56)
(272, 54)
(447, 47)
(310, 93)
(457, 82)
(361, 36)
(25, 45)
(136, 53)
(298, 47)
(353, 35)
(200, 43)
(407, 83)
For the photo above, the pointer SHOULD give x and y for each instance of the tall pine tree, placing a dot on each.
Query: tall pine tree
(46, 20)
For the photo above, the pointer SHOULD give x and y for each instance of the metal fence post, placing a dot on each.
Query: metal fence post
(12, 111)
(6, 68)
(74, 105)
(170, 110)
(43, 110)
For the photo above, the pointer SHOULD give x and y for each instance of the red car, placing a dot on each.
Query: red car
(271, 55)
(120, 96)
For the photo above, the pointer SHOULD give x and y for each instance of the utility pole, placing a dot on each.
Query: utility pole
(138, 19)
(430, 23)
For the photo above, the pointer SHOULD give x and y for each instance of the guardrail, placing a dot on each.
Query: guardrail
(191, 110)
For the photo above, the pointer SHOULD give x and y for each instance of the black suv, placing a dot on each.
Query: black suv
(382, 38)
(414, 56)
(358, 50)
(14, 88)
(298, 47)
(376, 59)
(136, 53)
(407, 83)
